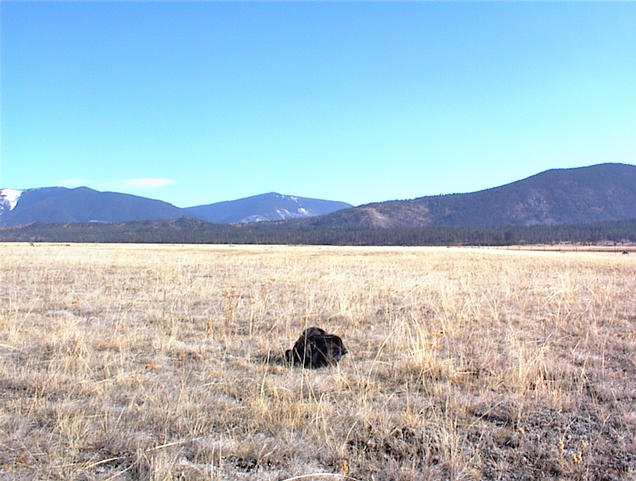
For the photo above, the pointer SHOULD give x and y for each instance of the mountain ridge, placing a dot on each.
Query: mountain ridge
(596, 193)
(600, 192)
(83, 204)
(264, 207)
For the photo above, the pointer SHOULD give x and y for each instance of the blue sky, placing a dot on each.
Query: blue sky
(198, 102)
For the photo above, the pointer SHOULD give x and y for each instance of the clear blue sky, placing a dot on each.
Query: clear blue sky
(200, 102)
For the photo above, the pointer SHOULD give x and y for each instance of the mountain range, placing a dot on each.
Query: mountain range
(81, 204)
(603, 192)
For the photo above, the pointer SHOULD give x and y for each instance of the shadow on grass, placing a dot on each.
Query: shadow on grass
(272, 358)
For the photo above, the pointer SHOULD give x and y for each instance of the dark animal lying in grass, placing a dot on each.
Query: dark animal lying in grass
(315, 348)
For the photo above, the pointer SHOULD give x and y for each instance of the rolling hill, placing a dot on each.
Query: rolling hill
(604, 192)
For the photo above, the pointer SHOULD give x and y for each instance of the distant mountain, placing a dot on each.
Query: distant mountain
(62, 205)
(604, 192)
(264, 207)
(599, 193)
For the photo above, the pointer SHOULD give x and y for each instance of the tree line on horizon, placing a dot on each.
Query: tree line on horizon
(186, 230)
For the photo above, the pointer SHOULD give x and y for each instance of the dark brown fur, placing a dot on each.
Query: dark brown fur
(315, 348)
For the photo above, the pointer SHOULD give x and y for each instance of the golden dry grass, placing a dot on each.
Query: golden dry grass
(162, 362)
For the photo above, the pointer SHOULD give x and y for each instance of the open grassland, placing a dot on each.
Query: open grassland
(163, 362)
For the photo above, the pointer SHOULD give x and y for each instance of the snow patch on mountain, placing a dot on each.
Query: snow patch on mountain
(284, 213)
(253, 218)
(9, 198)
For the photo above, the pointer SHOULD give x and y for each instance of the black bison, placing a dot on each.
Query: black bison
(315, 348)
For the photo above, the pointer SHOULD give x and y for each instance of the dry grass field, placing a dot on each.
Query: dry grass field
(127, 362)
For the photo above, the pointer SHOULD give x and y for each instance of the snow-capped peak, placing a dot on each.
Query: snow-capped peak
(10, 197)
